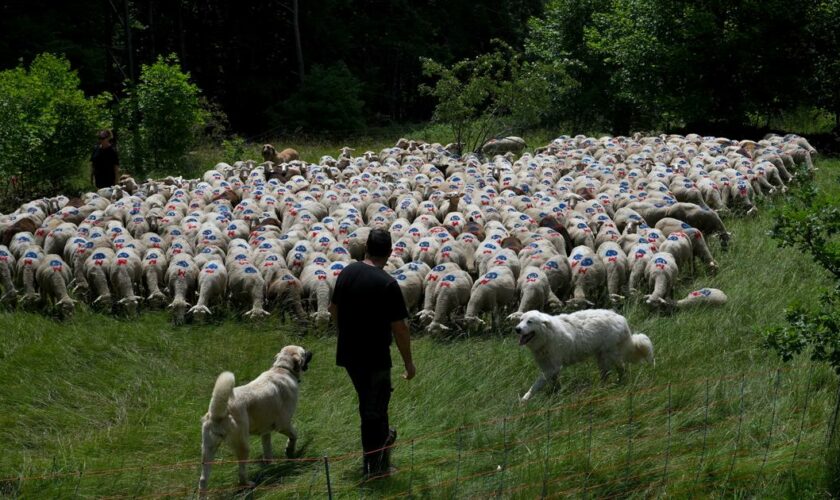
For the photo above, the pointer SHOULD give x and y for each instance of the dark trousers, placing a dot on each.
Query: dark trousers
(374, 390)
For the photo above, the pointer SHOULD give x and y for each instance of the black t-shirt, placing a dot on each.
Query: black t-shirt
(368, 301)
(104, 160)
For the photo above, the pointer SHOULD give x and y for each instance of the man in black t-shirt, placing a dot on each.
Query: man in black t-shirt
(368, 306)
(104, 162)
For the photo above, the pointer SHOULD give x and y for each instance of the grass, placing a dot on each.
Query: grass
(101, 406)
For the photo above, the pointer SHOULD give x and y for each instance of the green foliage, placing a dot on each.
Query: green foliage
(47, 125)
(664, 64)
(822, 24)
(810, 223)
(491, 94)
(234, 148)
(160, 118)
(329, 100)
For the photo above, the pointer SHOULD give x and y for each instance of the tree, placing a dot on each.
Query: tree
(491, 94)
(47, 125)
(825, 47)
(160, 118)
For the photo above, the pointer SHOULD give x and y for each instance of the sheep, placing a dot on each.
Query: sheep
(126, 272)
(53, 276)
(181, 280)
(7, 269)
(493, 290)
(245, 283)
(316, 284)
(699, 247)
(661, 273)
(589, 277)
(534, 293)
(410, 278)
(97, 268)
(27, 266)
(431, 282)
(510, 144)
(703, 297)
(450, 292)
(617, 269)
(154, 264)
(284, 290)
(678, 245)
(212, 288)
(559, 273)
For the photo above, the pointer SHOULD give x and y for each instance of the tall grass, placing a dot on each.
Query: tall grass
(82, 398)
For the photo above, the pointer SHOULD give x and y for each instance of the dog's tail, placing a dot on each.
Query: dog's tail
(222, 392)
(639, 348)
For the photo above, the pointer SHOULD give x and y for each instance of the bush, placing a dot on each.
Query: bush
(160, 118)
(328, 100)
(47, 126)
(490, 95)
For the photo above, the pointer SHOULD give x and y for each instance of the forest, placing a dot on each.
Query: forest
(341, 65)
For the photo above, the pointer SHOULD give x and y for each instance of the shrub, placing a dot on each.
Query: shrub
(160, 118)
(492, 94)
(328, 100)
(47, 125)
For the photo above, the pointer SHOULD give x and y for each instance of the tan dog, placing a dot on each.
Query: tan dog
(266, 404)
(269, 153)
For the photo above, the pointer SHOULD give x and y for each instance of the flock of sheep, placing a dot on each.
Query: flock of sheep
(581, 222)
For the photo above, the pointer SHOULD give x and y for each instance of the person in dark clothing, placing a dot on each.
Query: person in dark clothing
(368, 307)
(104, 163)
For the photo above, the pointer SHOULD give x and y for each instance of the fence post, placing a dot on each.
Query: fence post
(544, 491)
(458, 467)
(668, 445)
(504, 457)
(705, 434)
(588, 454)
(772, 424)
(737, 435)
(804, 412)
(629, 438)
(327, 472)
(411, 470)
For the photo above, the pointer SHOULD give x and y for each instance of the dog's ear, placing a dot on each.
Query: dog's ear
(297, 362)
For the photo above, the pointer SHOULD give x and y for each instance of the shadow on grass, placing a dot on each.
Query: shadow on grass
(277, 473)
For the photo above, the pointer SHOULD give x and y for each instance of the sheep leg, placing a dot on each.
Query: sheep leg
(156, 297)
(257, 301)
(10, 293)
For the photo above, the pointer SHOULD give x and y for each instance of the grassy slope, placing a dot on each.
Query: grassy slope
(104, 393)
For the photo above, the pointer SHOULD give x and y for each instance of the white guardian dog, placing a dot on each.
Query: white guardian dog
(265, 405)
(558, 341)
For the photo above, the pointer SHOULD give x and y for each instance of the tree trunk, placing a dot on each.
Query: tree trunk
(298, 48)
(128, 47)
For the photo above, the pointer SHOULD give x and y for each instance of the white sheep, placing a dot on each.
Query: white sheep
(661, 274)
(703, 297)
(126, 274)
(53, 276)
(97, 269)
(181, 280)
(212, 288)
(492, 291)
(246, 284)
(7, 271)
(534, 293)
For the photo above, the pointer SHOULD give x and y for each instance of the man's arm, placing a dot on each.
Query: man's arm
(333, 309)
(403, 338)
